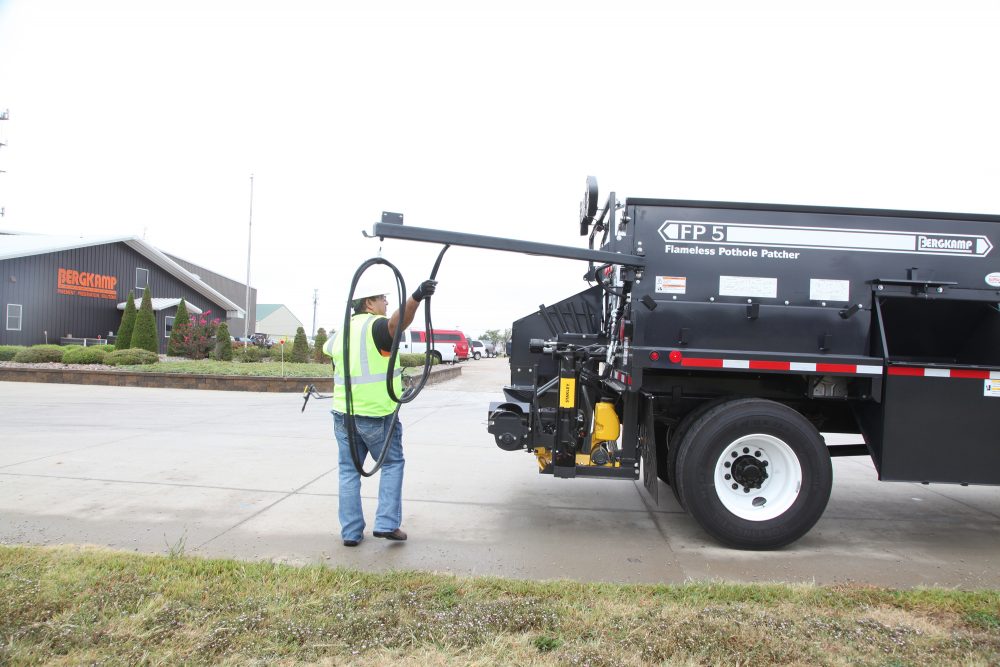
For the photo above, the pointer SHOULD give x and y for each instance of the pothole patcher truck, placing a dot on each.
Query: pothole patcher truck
(719, 340)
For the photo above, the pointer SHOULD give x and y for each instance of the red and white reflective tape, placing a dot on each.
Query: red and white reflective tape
(944, 373)
(622, 377)
(760, 365)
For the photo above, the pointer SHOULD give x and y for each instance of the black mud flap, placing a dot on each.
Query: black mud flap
(647, 450)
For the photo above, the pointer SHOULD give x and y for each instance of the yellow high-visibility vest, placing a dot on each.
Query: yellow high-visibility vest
(368, 370)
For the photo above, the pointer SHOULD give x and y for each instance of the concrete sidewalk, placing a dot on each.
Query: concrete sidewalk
(248, 476)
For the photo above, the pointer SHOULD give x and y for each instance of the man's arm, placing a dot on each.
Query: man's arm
(409, 309)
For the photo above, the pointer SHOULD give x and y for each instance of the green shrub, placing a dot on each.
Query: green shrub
(247, 355)
(131, 357)
(412, 360)
(41, 354)
(108, 348)
(77, 354)
(124, 339)
(180, 330)
(223, 344)
(300, 348)
(7, 352)
(321, 339)
(144, 335)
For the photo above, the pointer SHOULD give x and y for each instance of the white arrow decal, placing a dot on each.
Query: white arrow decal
(826, 238)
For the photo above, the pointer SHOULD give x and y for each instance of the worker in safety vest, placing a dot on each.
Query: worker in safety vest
(371, 341)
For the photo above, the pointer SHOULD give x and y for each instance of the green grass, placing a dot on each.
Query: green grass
(69, 605)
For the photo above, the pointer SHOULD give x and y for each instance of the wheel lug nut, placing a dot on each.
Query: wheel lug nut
(746, 489)
(729, 476)
(735, 486)
(763, 463)
(735, 455)
(746, 450)
(728, 464)
(757, 454)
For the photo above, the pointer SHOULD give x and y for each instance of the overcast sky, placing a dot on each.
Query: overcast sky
(147, 119)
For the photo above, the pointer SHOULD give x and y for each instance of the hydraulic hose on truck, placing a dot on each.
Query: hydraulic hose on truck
(408, 394)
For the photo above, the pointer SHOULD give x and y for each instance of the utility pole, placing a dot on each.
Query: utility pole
(315, 299)
(246, 315)
(4, 115)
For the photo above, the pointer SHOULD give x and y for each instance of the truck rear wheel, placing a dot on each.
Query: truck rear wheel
(676, 437)
(755, 474)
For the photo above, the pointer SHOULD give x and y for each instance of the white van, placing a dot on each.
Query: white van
(410, 343)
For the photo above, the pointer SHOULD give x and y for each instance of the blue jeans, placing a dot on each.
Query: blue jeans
(369, 438)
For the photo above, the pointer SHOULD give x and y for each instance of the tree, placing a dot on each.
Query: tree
(124, 339)
(497, 337)
(180, 331)
(223, 344)
(321, 339)
(300, 348)
(490, 336)
(144, 334)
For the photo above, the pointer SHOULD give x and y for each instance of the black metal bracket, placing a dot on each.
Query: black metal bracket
(916, 286)
(847, 313)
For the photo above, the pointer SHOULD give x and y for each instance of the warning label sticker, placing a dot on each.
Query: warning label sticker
(991, 388)
(829, 290)
(671, 284)
(766, 288)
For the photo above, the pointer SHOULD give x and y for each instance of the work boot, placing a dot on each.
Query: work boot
(395, 535)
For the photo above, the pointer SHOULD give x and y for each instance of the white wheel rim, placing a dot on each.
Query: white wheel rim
(746, 467)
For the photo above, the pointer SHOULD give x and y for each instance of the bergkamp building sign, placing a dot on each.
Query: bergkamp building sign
(84, 283)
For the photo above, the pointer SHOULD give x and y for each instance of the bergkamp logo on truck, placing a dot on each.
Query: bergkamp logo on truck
(824, 238)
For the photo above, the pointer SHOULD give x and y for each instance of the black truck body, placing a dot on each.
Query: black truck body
(726, 337)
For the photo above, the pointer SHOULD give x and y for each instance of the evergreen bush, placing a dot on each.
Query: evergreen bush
(321, 339)
(144, 334)
(77, 354)
(300, 348)
(41, 354)
(52, 346)
(223, 343)
(124, 339)
(247, 355)
(278, 351)
(180, 332)
(7, 352)
(131, 357)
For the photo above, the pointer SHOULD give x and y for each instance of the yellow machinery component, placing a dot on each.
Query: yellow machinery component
(606, 424)
(544, 456)
(607, 428)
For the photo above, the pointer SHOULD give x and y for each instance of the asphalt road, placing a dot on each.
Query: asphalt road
(230, 474)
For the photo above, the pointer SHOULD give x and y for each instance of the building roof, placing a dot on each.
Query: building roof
(267, 309)
(26, 245)
(162, 304)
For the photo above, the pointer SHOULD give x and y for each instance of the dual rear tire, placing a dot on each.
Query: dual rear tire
(754, 474)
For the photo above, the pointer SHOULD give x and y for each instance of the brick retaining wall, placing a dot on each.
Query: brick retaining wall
(179, 381)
